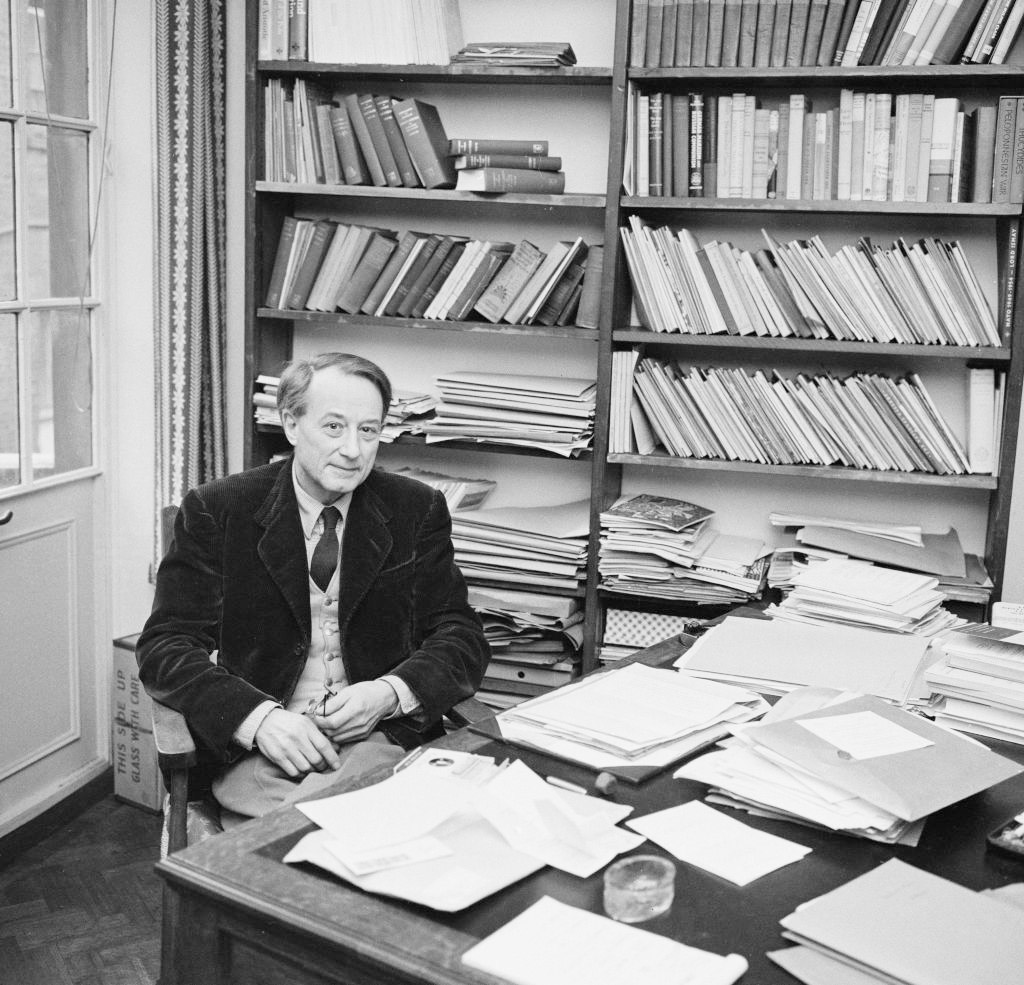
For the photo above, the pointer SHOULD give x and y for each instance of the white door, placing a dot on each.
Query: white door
(52, 732)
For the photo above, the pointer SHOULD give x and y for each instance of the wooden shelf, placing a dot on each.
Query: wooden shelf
(944, 210)
(829, 472)
(989, 355)
(458, 73)
(825, 76)
(559, 202)
(327, 320)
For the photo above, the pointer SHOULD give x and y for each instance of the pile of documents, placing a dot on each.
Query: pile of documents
(854, 764)
(534, 641)
(898, 924)
(550, 413)
(981, 680)
(631, 720)
(406, 413)
(857, 593)
(660, 547)
(526, 545)
(264, 399)
(535, 54)
(459, 493)
(450, 828)
(627, 630)
(775, 656)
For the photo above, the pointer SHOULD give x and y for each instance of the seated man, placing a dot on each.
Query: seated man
(328, 591)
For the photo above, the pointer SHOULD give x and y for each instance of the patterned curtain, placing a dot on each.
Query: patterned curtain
(190, 333)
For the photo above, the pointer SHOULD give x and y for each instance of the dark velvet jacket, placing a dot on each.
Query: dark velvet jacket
(235, 580)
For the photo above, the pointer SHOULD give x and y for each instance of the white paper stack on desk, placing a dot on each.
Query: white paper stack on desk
(981, 680)
(632, 716)
(858, 593)
(898, 924)
(664, 548)
(855, 765)
(551, 413)
(527, 545)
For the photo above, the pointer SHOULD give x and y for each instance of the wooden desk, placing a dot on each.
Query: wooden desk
(248, 918)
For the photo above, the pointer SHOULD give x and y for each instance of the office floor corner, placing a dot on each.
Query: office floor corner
(82, 907)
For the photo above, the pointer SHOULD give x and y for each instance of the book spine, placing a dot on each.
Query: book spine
(525, 182)
(298, 17)
(529, 162)
(707, 134)
(393, 133)
(365, 141)
(353, 168)
(425, 140)
(684, 34)
(459, 146)
(984, 153)
(366, 273)
(1002, 164)
(681, 145)
(375, 128)
(395, 262)
(1008, 282)
(654, 145)
(765, 32)
(284, 248)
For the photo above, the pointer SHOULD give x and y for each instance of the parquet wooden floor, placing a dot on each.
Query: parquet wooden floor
(82, 907)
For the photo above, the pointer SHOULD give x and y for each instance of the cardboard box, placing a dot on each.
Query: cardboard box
(137, 778)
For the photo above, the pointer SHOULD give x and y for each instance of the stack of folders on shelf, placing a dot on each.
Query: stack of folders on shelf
(923, 292)
(524, 54)
(525, 545)
(459, 493)
(788, 33)
(629, 630)
(851, 592)
(961, 576)
(775, 656)
(631, 720)
(369, 32)
(264, 400)
(549, 413)
(981, 680)
(534, 642)
(658, 547)
(900, 925)
(323, 265)
(506, 165)
(872, 146)
(864, 421)
(853, 764)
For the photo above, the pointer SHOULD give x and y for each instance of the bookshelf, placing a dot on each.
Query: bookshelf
(589, 103)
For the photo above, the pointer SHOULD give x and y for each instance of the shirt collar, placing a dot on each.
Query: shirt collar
(310, 508)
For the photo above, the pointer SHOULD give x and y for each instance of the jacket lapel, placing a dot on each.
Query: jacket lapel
(365, 544)
(281, 548)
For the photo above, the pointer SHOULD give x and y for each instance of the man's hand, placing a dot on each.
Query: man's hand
(354, 711)
(295, 744)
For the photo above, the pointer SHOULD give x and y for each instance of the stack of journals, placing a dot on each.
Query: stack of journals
(506, 165)
(852, 764)
(775, 656)
(628, 630)
(763, 33)
(406, 414)
(534, 641)
(981, 680)
(857, 593)
(631, 719)
(924, 292)
(264, 399)
(533, 54)
(398, 32)
(524, 546)
(549, 413)
(459, 493)
(900, 925)
(657, 546)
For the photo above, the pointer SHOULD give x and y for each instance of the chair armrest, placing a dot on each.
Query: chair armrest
(175, 747)
(468, 712)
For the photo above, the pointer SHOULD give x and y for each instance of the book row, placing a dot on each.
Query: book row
(871, 146)
(862, 421)
(777, 33)
(324, 265)
(912, 293)
(315, 136)
(373, 32)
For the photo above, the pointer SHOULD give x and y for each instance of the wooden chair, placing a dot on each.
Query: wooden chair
(176, 755)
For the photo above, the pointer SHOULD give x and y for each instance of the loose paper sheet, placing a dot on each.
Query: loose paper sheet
(865, 735)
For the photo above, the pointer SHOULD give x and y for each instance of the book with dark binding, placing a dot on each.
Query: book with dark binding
(799, 15)
(353, 167)
(419, 286)
(367, 271)
(681, 145)
(684, 34)
(815, 29)
(830, 32)
(393, 133)
(588, 313)
(298, 24)
(716, 29)
(563, 289)
(426, 141)
(669, 16)
(323, 231)
(882, 29)
(458, 146)
(667, 184)
(984, 153)
(652, 50)
(284, 248)
(390, 271)
(749, 10)
(328, 149)
(731, 16)
(699, 42)
(708, 110)
(845, 27)
(531, 162)
(368, 107)
(364, 140)
(780, 32)
(951, 46)
(765, 31)
(411, 275)
(638, 34)
(447, 266)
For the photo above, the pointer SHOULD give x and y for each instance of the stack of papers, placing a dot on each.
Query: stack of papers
(550, 413)
(898, 924)
(981, 680)
(406, 413)
(902, 533)
(527, 545)
(631, 720)
(459, 493)
(264, 399)
(858, 593)
(539, 54)
(852, 764)
(534, 640)
(552, 943)
(787, 563)
(660, 547)
(775, 656)
(447, 838)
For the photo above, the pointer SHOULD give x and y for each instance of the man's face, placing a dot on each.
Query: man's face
(336, 438)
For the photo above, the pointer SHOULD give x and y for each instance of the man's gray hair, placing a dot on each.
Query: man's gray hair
(298, 374)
